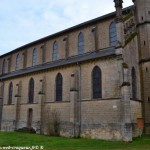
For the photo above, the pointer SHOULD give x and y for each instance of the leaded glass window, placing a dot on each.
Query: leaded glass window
(4, 67)
(31, 90)
(59, 84)
(34, 57)
(112, 34)
(17, 62)
(55, 51)
(97, 82)
(10, 96)
(81, 43)
(134, 84)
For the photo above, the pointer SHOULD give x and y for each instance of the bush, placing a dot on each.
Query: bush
(26, 130)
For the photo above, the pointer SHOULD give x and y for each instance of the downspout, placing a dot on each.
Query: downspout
(1, 104)
(42, 99)
(79, 99)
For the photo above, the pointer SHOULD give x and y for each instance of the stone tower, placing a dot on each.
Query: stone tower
(142, 12)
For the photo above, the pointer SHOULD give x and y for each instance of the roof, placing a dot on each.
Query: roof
(107, 16)
(63, 62)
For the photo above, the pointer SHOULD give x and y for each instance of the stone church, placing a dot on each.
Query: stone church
(91, 80)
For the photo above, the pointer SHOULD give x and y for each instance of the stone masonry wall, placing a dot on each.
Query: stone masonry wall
(98, 117)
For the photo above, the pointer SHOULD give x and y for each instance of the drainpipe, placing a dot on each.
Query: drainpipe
(1, 103)
(79, 98)
(42, 99)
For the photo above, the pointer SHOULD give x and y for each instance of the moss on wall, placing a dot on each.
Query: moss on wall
(130, 38)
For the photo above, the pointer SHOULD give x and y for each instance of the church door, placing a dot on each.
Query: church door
(30, 114)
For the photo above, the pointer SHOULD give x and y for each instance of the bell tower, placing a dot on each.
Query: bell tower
(142, 13)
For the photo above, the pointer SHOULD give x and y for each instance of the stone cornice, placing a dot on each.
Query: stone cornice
(143, 23)
(144, 60)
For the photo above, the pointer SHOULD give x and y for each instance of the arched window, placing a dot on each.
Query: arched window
(134, 85)
(31, 90)
(59, 84)
(97, 82)
(80, 43)
(112, 34)
(17, 62)
(4, 67)
(55, 51)
(34, 57)
(10, 94)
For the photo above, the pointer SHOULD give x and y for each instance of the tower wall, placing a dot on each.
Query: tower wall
(142, 11)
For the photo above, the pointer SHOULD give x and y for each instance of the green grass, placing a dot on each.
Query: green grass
(60, 143)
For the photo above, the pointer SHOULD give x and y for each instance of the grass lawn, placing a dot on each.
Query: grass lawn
(60, 143)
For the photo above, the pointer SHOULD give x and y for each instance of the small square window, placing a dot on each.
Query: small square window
(142, 18)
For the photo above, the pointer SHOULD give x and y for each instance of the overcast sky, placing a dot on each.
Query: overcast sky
(24, 21)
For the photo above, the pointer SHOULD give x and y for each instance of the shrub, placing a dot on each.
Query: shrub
(26, 130)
